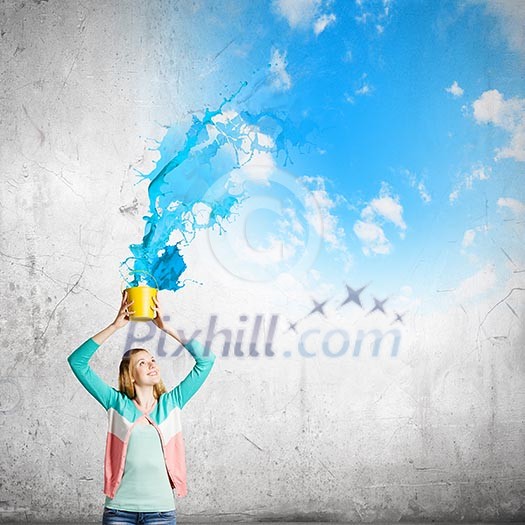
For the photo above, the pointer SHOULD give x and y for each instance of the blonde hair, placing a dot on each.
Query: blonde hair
(125, 384)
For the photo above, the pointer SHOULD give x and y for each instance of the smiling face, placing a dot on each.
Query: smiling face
(144, 369)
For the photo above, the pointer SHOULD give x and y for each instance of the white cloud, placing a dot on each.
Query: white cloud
(404, 300)
(365, 90)
(492, 108)
(477, 284)
(423, 193)
(369, 229)
(323, 22)
(478, 172)
(256, 162)
(387, 207)
(376, 13)
(453, 196)
(373, 238)
(510, 15)
(257, 168)
(468, 238)
(420, 185)
(489, 108)
(298, 13)
(349, 98)
(304, 14)
(319, 205)
(325, 223)
(281, 80)
(455, 89)
(516, 206)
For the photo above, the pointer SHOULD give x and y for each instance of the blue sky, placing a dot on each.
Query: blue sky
(409, 110)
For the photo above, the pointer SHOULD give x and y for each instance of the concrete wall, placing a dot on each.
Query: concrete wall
(437, 433)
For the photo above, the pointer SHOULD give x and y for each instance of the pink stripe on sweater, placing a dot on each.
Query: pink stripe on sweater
(175, 457)
(113, 464)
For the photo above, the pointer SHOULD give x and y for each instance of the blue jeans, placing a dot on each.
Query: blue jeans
(124, 517)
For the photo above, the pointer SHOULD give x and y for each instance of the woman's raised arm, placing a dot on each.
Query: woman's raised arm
(204, 360)
(79, 359)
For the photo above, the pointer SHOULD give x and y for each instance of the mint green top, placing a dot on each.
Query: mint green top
(145, 486)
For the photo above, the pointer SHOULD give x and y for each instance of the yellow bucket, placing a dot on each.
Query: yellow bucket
(142, 297)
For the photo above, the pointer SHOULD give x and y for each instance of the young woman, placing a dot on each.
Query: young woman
(144, 458)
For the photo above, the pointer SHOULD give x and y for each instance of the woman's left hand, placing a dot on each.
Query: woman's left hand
(157, 320)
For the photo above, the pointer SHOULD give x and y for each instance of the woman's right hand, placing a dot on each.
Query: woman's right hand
(124, 312)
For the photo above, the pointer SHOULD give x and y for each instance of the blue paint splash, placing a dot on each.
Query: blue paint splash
(212, 147)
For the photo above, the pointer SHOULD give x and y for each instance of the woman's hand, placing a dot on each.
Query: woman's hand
(124, 312)
(157, 319)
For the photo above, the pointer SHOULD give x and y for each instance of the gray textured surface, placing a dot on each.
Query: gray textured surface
(438, 435)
